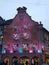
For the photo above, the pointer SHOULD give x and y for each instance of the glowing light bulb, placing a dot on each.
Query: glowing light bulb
(40, 51)
(20, 50)
(11, 51)
(3, 51)
(30, 51)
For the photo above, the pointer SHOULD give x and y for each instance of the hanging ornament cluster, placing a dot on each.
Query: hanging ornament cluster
(3, 51)
(16, 36)
(26, 35)
(29, 48)
(20, 50)
(40, 51)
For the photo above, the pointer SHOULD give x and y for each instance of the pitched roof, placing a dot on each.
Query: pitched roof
(45, 30)
(7, 22)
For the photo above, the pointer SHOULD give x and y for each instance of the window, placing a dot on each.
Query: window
(15, 27)
(25, 26)
(26, 35)
(16, 36)
(46, 36)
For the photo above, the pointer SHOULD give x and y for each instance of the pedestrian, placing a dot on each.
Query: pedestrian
(26, 62)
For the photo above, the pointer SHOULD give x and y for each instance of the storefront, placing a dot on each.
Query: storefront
(21, 42)
(47, 57)
(24, 59)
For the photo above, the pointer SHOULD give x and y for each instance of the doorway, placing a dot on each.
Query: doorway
(24, 60)
(7, 61)
(35, 60)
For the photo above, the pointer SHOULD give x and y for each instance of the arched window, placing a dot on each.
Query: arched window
(24, 60)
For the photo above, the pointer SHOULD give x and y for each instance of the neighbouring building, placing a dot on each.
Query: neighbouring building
(23, 39)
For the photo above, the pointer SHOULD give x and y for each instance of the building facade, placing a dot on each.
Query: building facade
(46, 42)
(24, 39)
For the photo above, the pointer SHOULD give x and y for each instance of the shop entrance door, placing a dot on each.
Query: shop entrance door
(15, 60)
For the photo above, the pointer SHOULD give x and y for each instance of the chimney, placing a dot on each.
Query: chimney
(41, 24)
(21, 10)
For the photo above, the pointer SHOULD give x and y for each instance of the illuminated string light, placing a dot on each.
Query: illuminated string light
(20, 50)
(3, 51)
(30, 51)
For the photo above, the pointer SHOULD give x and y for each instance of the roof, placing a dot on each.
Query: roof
(1, 19)
(7, 22)
(45, 30)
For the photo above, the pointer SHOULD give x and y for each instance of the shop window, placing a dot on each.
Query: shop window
(47, 59)
(32, 62)
(14, 59)
(25, 60)
(35, 60)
